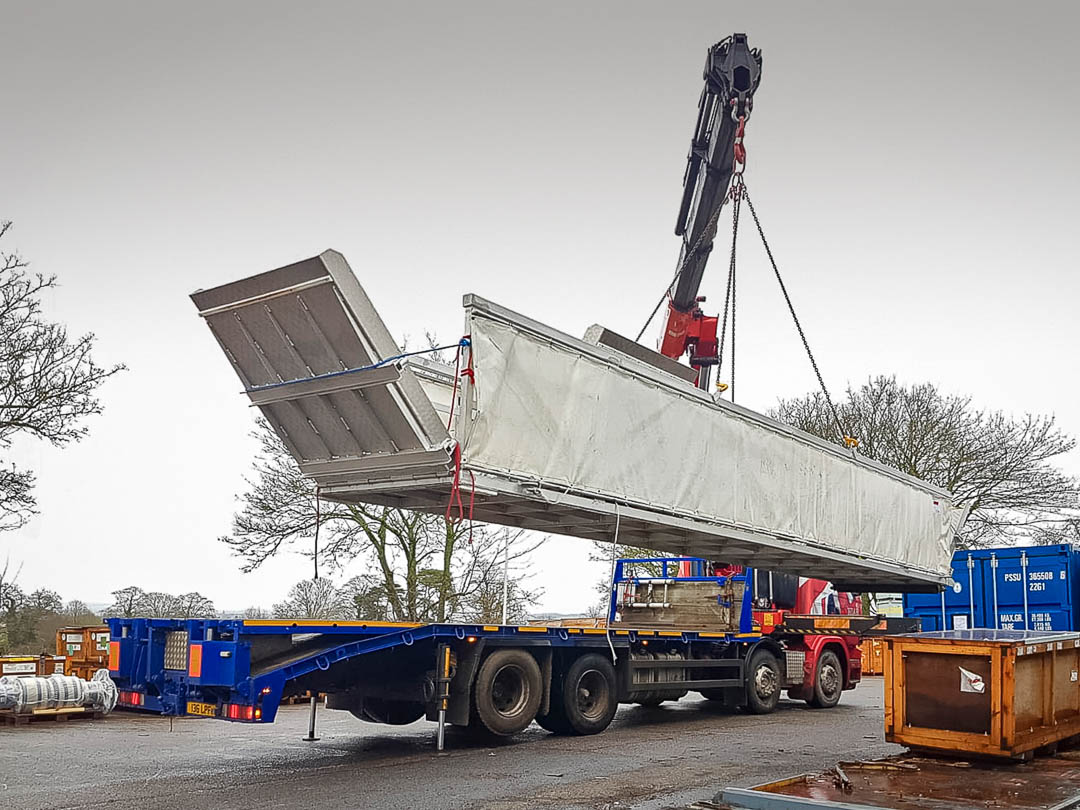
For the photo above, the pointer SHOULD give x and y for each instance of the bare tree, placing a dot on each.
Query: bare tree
(193, 606)
(28, 623)
(1003, 468)
(366, 598)
(485, 604)
(45, 600)
(159, 604)
(1066, 531)
(313, 599)
(48, 381)
(127, 602)
(77, 612)
(11, 596)
(419, 567)
(256, 613)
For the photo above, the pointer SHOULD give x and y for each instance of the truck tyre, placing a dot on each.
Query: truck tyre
(828, 681)
(723, 697)
(763, 682)
(507, 692)
(588, 694)
(555, 720)
(389, 712)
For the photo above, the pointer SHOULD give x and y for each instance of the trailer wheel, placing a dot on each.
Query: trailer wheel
(725, 698)
(588, 694)
(763, 683)
(507, 692)
(389, 712)
(828, 681)
(555, 720)
(649, 701)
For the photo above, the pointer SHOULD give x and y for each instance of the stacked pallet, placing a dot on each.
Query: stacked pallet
(10, 718)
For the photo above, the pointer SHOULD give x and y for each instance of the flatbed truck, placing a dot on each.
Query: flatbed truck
(495, 679)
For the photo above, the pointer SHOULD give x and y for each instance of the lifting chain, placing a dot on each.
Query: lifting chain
(735, 195)
(710, 227)
(849, 441)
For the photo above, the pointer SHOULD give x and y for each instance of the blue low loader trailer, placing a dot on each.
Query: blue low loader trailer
(1009, 588)
(496, 679)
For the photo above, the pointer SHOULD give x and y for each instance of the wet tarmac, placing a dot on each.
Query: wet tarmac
(648, 759)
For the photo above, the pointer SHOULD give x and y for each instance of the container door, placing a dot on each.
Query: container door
(1041, 590)
(957, 600)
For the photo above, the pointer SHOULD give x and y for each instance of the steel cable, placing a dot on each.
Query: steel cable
(798, 326)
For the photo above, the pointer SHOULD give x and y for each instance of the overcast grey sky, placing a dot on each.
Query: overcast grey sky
(913, 163)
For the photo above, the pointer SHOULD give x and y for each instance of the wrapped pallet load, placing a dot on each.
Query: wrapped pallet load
(561, 435)
(30, 694)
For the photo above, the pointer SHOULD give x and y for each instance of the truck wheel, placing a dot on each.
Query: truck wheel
(763, 682)
(555, 720)
(389, 712)
(725, 698)
(507, 692)
(588, 694)
(649, 701)
(828, 681)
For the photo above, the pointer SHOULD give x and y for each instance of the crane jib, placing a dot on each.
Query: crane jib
(732, 74)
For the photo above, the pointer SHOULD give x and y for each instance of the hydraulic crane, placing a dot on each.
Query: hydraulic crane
(732, 73)
(717, 155)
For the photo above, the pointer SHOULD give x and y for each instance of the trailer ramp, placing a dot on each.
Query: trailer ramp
(563, 436)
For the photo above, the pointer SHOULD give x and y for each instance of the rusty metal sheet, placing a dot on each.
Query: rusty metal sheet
(917, 783)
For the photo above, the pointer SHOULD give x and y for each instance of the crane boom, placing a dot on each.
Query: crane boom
(732, 73)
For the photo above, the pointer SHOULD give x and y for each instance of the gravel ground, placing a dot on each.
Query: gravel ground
(648, 759)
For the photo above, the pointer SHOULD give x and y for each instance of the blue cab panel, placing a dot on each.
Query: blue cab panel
(989, 588)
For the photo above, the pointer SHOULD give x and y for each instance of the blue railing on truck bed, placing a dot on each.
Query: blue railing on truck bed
(663, 570)
(240, 669)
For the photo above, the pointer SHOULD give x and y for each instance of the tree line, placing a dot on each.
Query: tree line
(418, 567)
(29, 621)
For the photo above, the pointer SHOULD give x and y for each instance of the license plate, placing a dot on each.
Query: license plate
(202, 709)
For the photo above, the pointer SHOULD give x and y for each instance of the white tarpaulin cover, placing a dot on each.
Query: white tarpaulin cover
(561, 435)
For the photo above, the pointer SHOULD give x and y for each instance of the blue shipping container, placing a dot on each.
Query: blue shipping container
(989, 591)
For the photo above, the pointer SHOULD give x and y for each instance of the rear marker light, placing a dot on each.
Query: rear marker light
(238, 711)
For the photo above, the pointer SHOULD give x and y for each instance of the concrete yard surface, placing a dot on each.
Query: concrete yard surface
(648, 758)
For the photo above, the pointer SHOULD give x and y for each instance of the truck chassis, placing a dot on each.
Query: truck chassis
(494, 679)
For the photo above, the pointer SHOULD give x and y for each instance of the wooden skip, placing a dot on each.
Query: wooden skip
(1000, 693)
